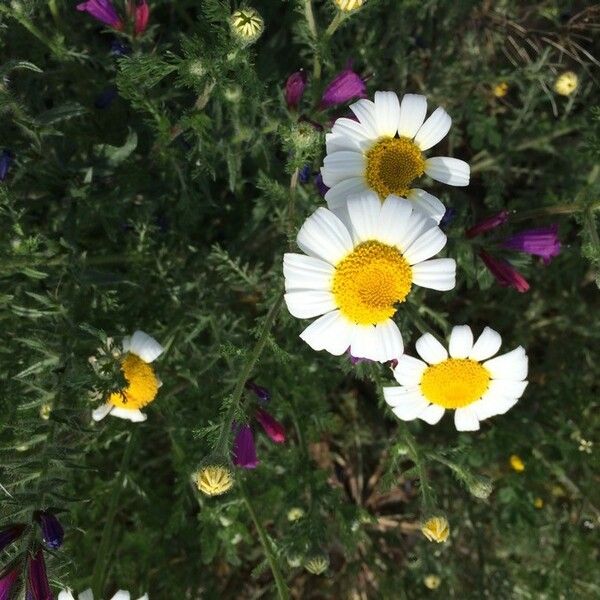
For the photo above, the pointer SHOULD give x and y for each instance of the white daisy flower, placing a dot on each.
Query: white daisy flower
(464, 379)
(88, 595)
(383, 152)
(139, 351)
(355, 276)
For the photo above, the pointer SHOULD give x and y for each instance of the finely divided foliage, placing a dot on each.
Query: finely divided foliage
(280, 241)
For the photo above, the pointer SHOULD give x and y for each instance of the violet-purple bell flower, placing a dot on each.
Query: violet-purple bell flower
(103, 11)
(273, 428)
(294, 89)
(11, 533)
(53, 533)
(542, 242)
(488, 224)
(345, 86)
(244, 450)
(38, 586)
(504, 272)
(321, 187)
(6, 158)
(448, 217)
(7, 582)
(304, 175)
(262, 393)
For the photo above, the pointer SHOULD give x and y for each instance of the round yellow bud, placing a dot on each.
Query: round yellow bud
(516, 463)
(294, 514)
(348, 5)
(214, 479)
(436, 529)
(247, 24)
(317, 564)
(432, 582)
(500, 89)
(566, 83)
(538, 503)
(45, 410)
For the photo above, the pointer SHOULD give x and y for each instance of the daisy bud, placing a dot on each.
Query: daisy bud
(273, 428)
(8, 578)
(480, 487)
(295, 514)
(294, 560)
(11, 533)
(538, 503)
(244, 450)
(516, 463)
(52, 531)
(432, 582)
(500, 89)
(504, 272)
(6, 159)
(246, 25)
(348, 5)
(38, 586)
(103, 11)
(566, 83)
(294, 89)
(344, 87)
(263, 394)
(436, 529)
(488, 224)
(317, 564)
(214, 478)
(542, 242)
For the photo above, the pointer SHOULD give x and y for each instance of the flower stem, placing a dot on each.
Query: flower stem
(312, 27)
(557, 209)
(417, 458)
(282, 589)
(335, 23)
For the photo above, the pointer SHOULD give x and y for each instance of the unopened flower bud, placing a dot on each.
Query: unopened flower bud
(348, 5)
(246, 24)
(294, 514)
(317, 564)
(481, 487)
(436, 529)
(53, 533)
(214, 478)
(566, 83)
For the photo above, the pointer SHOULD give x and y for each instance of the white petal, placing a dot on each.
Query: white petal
(356, 132)
(434, 129)
(338, 195)
(412, 114)
(487, 345)
(389, 341)
(324, 236)
(335, 142)
(331, 332)
(425, 246)
(432, 414)
(341, 165)
(505, 405)
(144, 597)
(484, 408)
(465, 419)
(99, 413)
(387, 113)
(394, 220)
(430, 350)
(86, 595)
(66, 595)
(416, 225)
(365, 113)
(303, 272)
(427, 203)
(409, 370)
(364, 216)
(461, 341)
(121, 595)
(407, 404)
(145, 346)
(364, 342)
(512, 365)
(508, 388)
(451, 171)
(131, 414)
(436, 274)
(305, 304)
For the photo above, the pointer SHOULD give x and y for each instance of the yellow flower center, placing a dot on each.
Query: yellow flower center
(369, 281)
(455, 383)
(214, 480)
(142, 384)
(392, 165)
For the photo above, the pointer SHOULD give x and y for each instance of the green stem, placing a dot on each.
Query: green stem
(312, 27)
(335, 23)
(417, 458)
(558, 209)
(282, 589)
(99, 571)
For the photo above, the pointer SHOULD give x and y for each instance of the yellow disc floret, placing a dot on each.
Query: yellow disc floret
(142, 384)
(392, 165)
(455, 382)
(214, 480)
(369, 281)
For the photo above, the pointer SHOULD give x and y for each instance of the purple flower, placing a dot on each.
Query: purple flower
(273, 428)
(11, 533)
(321, 187)
(38, 587)
(141, 13)
(53, 533)
(7, 581)
(119, 48)
(103, 11)
(6, 159)
(244, 450)
(488, 224)
(263, 394)
(504, 272)
(294, 89)
(541, 242)
(448, 217)
(304, 175)
(344, 87)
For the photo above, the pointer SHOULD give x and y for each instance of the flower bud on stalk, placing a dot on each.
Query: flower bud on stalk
(214, 477)
(436, 529)
(246, 25)
(52, 531)
(37, 579)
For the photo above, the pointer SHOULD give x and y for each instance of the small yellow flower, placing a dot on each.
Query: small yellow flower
(538, 503)
(432, 582)
(436, 529)
(500, 89)
(247, 24)
(516, 463)
(295, 513)
(566, 83)
(214, 479)
(317, 564)
(45, 410)
(348, 5)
